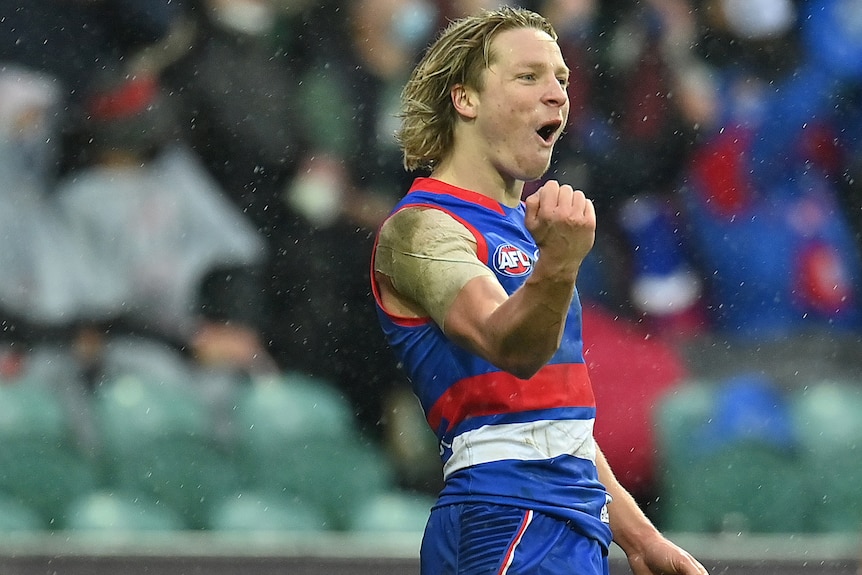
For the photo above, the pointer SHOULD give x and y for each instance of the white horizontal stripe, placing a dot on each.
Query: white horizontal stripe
(534, 440)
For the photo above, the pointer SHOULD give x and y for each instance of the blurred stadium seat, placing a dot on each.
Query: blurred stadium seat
(115, 512)
(249, 511)
(729, 459)
(41, 464)
(296, 437)
(392, 511)
(829, 417)
(158, 440)
(17, 517)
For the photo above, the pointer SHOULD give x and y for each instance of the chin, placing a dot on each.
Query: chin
(529, 169)
(533, 175)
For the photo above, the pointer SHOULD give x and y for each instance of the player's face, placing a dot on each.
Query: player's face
(523, 105)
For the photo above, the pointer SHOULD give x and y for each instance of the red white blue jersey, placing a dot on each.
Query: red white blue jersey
(504, 440)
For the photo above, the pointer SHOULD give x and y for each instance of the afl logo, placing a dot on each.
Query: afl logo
(512, 261)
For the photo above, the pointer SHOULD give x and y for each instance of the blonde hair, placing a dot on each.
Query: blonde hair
(459, 56)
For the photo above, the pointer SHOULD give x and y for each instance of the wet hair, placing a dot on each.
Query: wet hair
(460, 55)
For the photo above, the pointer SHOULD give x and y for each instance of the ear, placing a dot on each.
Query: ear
(464, 100)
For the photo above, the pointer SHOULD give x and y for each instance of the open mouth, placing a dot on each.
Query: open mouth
(548, 130)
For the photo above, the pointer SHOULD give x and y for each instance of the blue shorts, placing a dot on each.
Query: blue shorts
(484, 539)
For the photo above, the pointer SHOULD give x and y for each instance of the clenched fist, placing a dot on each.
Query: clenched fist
(563, 223)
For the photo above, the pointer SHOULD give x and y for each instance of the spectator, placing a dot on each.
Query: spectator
(163, 235)
(759, 193)
(635, 113)
(160, 238)
(831, 39)
(35, 287)
(236, 93)
(349, 178)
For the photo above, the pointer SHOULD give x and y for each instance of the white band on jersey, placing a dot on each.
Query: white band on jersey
(530, 441)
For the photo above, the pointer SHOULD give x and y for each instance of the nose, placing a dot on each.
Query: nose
(556, 94)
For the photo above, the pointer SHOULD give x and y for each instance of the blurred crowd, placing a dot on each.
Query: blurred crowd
(202, 178)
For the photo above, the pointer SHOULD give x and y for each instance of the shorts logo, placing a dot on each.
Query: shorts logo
(512, 261)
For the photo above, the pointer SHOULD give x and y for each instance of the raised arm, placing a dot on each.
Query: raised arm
(520, 333)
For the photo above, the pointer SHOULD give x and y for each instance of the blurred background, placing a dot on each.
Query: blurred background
(188, 344)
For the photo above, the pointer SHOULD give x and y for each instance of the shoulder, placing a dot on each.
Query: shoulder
(421, 227)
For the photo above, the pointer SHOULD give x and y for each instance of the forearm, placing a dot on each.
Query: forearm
(520, 332)
(647, 550)
(532, 320)
(630, 526)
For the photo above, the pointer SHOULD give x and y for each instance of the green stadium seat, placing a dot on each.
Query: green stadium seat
(728, 461)
(159, 440)
(332, 475)
(114, 512)
(296, 437)
(249, 512)
(188, 474)
(392, 511)
(292, 406)
(17, 517)
(131, 408)
(31, 408)
(829, 417)
(746, 487)
(40, 463)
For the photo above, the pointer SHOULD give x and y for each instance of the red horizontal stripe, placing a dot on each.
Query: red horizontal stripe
(557, 385)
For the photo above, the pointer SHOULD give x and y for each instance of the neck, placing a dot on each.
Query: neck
(483, 180)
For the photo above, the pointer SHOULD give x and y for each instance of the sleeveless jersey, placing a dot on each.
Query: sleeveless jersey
(503, 440)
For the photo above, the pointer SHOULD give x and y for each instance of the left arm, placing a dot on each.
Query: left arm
(648, 551)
